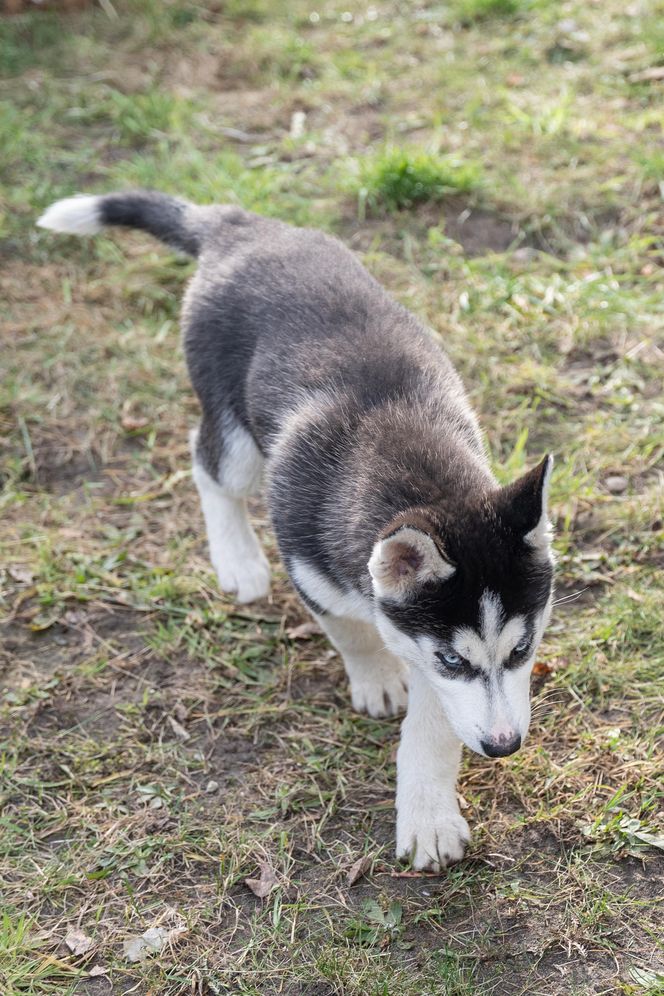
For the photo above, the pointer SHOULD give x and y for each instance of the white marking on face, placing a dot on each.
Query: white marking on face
(495, 703)
(326, 594)
(496, 639)
(491, 615)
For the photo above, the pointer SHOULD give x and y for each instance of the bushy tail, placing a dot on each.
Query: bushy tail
(174, 221)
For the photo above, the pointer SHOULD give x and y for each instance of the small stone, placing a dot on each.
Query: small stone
(298, 121)
(567, 26)
(616, 484)
(525, 254)
(212, 786)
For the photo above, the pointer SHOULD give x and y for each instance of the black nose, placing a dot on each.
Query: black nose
(501, 747)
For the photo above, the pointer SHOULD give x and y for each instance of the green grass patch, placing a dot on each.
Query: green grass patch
(396, 179)
(276, 52)
(136, 118)
(29, 40)
(471, 11)
(26, 967)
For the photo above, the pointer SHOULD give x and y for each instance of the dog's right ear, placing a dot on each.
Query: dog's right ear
(404, 559)
(524, 507)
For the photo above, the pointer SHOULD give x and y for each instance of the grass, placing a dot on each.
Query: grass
(470, 11)
(159, 744)
(394, 179)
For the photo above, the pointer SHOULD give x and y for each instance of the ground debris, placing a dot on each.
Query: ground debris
(178, 729)
(616, 484)
(150, 942)
(303, 631)
(263, 886)
(358, 869)
(78, 942)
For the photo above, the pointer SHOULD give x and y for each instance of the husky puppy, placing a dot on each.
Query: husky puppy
(433, 582)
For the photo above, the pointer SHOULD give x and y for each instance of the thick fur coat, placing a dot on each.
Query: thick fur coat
(433, 582)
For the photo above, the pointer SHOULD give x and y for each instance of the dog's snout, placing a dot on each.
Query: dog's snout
(502, 745)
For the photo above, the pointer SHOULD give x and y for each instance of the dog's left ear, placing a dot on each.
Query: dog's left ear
(524, 506)
(405, 558)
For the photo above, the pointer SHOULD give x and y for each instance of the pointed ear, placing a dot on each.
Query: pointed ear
(405, 559)
(525, 505)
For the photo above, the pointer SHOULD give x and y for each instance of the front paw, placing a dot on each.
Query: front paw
(248, 579)
(431, 838)
(384, 694)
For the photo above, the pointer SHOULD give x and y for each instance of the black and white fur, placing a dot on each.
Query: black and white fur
(433, 582)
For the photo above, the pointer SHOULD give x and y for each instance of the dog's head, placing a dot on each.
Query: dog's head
(466, 598)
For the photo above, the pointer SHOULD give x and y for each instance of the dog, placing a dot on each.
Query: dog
(433, 582)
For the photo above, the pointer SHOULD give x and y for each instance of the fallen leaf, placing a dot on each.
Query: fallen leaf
(42, 622)
(303, 631)
(542, 667)
(653, 74)
(358, 869)
(178, 729)
(150, 942)
(131, 422)
(21, 574)
(180, 712)
(645, 977)
(264, 885)
(78, 942)
(654, 839)
(98, 970)
(73, 618)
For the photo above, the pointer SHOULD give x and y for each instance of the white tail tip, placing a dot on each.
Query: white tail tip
(80, 215)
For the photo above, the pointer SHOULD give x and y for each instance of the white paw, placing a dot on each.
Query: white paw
(431, 839)
(248, 579)
(385, 695)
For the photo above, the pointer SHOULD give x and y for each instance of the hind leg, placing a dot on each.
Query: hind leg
(236, 555)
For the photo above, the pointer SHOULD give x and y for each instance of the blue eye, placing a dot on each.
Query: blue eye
(450, 659)
(522, 646)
